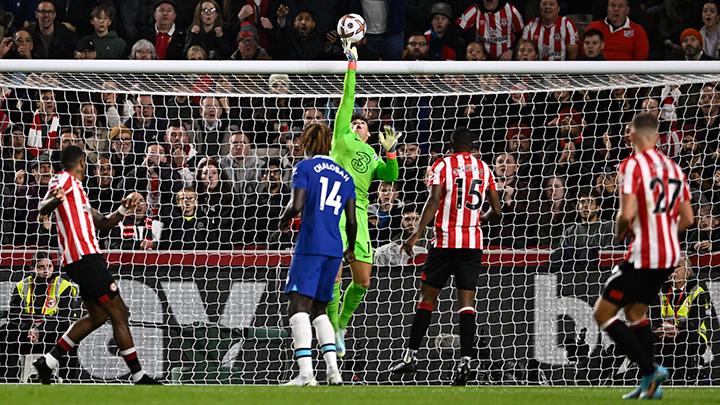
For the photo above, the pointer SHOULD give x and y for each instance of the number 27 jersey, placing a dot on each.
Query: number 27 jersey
(659, 186)
(327, 187)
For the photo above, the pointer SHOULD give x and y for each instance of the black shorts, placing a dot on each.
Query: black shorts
(91, 274)
(628, 285)
(442, 263)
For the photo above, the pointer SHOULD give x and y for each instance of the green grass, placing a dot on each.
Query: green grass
(348, 395)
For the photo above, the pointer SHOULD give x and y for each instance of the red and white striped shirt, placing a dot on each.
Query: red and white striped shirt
(76, 229)
(552, 40)
(464, 180)
(660, 186)
(496, 30)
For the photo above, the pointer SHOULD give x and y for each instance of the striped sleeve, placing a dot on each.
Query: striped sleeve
(629, 177)
(467, 19)
(437, 176)
(572, 34)
(517, 20)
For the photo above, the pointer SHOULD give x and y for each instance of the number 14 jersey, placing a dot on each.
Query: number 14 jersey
(660, 186)
(464, 180)
(327, 187)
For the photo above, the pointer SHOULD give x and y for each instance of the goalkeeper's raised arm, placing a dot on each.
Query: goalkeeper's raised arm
(351, 151)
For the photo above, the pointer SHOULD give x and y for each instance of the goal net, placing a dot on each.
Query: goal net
(211, 148)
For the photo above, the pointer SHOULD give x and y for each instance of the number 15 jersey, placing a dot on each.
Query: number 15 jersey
(464, 180)
(327, 187)
(660, 186)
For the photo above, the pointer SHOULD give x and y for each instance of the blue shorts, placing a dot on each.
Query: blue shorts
(313, 276)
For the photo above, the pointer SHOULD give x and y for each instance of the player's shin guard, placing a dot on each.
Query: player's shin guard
(467, 331)
(628, 344)
(420, 324)
(333, 307)
(302, 341)
(326, 339)
(353, 297)
(64, 345)
(643, 333)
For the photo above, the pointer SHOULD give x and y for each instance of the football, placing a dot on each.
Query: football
(351, 26)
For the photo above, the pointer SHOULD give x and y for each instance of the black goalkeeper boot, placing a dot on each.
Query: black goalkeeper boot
(147, 380)
(404, 367)
(462, 374)
(44, 371)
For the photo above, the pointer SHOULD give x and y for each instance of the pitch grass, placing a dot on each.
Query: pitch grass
(348, 395)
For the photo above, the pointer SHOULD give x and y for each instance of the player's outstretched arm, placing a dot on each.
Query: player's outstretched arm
(626, 215)
(347, 102)
(294, 207)
(388, 170)
(107, 222)
(431, 206)
(350, 230)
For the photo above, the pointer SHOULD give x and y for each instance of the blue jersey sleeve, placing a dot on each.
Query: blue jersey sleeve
(300, 177)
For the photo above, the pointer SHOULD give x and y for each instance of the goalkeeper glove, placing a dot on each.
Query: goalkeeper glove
(349, 50)
(389, 138)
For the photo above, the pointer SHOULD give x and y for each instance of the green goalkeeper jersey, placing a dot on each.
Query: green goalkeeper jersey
(355, 156)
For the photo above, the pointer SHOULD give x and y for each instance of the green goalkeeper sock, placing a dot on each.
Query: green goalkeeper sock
(333, 307)
(353, 297)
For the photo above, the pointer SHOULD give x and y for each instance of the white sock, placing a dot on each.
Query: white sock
(302, 342)
(51, 361)
(326, 339)
(465, 360)
(137, 376)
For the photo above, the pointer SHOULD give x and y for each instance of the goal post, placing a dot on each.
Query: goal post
(211, 147)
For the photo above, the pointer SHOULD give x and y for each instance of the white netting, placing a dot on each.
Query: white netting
(201, 265)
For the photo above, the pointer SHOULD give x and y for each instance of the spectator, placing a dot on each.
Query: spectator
(526, 50)
(133, 16)
(684, 323)
(168, 39)
(692, 45)
(498, 42)
(180, 107)
(155, 179)
(702, 238)
(387, 210)
(591, 234)
(411, 166)
(669, 141)
(556, 37)
(51, 40)
(43, 133)
(302, 41)
(313, 115)
(518, 140)
(118, 108)
(444, 40)
(593, 45)
(624, 39)
(105, 188)
(674, 16)
(273, 196)
(186, 229)
(143, 50)
(107, 44)
(552, 212)
(211, 130)
(711, 28)
(137, 231)
(92, 131)
(183, 154)
(42, 307)
(242, 166)
(145, 125)
(292, 153)
(475, 51)
(23, 45)
(606, 191)
(14, 156)
(85, 49)
(216, 201)
(390, 254)
(252, 13)
(209, 31)
(122, 153)
(38, 229)
(517, 198)
(416, 48)
(247, 45)
(385, 21)
(196, 52)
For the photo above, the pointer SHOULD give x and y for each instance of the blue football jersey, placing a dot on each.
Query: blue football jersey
(327, 188)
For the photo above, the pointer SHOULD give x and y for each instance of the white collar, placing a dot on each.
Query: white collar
(171, 32)
(622, 27)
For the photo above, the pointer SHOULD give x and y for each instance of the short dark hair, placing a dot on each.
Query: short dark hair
(594, 33)
(71, 156)
(97, 10)
(645, 121)
(41, 255)
(359, 117)
(462, 140)
(273, 162)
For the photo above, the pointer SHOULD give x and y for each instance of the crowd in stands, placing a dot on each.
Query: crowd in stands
(215, 171)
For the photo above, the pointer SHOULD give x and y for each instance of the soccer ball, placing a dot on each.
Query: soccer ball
(351, 26)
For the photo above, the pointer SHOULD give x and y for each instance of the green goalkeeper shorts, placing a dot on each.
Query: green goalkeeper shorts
(363, 248)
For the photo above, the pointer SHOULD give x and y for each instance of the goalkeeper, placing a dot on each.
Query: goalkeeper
(350, 150)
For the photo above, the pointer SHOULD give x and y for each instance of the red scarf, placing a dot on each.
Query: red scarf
(35, 140)
(130, 230)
